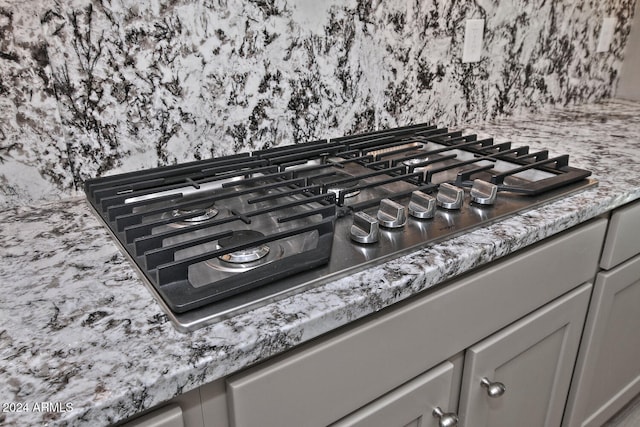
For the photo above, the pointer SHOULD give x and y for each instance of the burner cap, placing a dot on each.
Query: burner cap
(244, 255)
(209, 212)
(415, 161)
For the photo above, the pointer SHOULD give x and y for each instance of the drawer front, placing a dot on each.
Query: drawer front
(323, 381)
(623, 236)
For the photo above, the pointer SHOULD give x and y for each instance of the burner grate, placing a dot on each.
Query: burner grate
(141, 217)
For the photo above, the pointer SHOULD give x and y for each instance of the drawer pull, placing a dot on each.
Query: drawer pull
(448, 419)
(494, 389)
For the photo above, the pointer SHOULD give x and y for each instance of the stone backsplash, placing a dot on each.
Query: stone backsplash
(89, 88)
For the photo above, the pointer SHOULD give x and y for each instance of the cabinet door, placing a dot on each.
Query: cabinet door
(533, 360)
(411, 404)
(608, 367)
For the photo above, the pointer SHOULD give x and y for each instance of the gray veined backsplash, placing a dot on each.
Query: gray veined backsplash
(99, 87)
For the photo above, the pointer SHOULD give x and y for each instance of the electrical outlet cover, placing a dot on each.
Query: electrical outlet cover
(606, 34)
(473, 34)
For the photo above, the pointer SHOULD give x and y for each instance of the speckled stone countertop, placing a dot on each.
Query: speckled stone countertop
(79, 328)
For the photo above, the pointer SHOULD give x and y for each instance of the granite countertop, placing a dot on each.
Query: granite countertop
(80, 330)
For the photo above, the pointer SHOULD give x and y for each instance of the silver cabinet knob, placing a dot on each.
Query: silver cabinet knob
(422, 205)
(494, 389)
(391, 214)
(365, 228)
(448, 419)
(483, 192)
(449, 196)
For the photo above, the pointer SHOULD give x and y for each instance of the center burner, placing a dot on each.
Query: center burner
(208, 212)
(246, 255)
(338, 182)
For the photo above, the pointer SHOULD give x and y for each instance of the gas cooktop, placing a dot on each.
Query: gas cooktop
(217, 237)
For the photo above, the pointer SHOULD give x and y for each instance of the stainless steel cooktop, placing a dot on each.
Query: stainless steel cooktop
(217, 237)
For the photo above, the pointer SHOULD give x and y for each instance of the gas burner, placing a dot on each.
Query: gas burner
(415, 161)
(245, 255)
(347, 194)
(209, 212)
(333, 184)
(247, 259)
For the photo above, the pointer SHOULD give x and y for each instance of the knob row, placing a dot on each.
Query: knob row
(365, 228)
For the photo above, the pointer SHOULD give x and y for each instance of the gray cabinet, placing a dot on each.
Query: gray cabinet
(607, 374)
(608, 369)
(518, 376)
(374, 367)
(521, 375)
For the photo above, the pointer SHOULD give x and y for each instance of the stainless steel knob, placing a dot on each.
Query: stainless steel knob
(448, 419)
(391, 214)
(422, 205)
(494, 389)
(365, 228)
(483, 192)
(449, 196)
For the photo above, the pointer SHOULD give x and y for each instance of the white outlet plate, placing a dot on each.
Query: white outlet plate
(473, 34)
(606, 34)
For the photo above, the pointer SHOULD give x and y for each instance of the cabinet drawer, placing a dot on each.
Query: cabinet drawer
(623, 236)
(324, 380)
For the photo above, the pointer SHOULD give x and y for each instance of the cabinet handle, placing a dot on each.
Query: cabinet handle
(446, 420)
(494, 389)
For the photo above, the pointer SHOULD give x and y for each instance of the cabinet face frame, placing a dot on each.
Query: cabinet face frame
(549, 336)
(609, 285)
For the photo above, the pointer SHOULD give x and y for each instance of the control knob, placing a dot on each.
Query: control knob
(391, 214)
(365, 228)
(422, 205)
(449, 196)
(483, 192)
